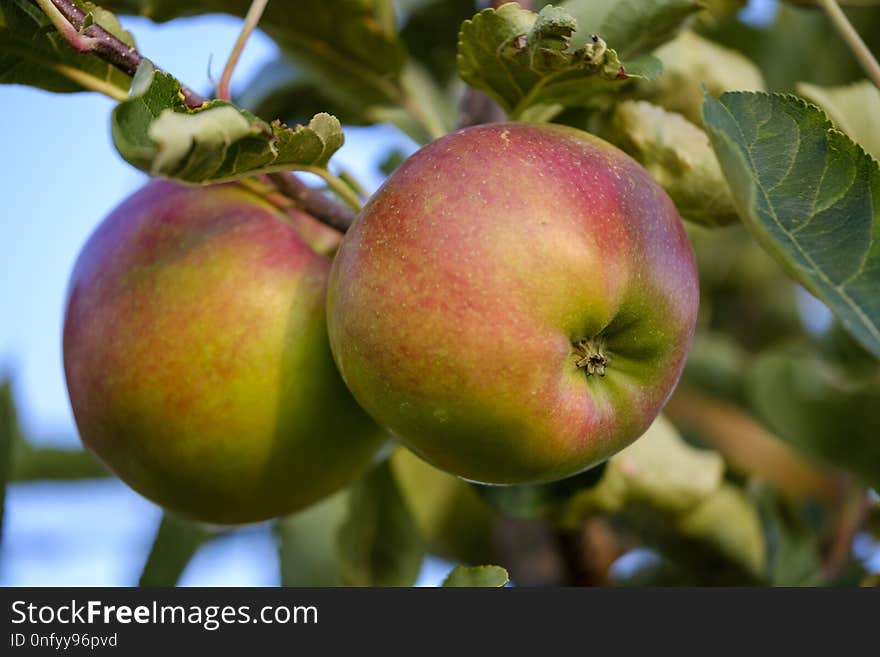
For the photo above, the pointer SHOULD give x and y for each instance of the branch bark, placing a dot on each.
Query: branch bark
(112, 50)
(313, 201)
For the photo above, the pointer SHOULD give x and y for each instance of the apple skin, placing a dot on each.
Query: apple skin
(197, 359)
(459, 296)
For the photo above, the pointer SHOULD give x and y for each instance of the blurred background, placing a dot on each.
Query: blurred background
(61, 176)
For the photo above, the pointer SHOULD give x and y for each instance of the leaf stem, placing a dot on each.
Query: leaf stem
(853, 40)
(313, 201)
(337, 185)
(251, 19)
(92, 83)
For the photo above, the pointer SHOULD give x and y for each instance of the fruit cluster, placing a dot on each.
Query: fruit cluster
(515, 304)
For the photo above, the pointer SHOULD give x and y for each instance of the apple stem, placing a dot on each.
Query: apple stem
(70, 21)
(251, 19)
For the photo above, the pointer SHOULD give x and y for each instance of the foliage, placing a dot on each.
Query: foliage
(766, 139)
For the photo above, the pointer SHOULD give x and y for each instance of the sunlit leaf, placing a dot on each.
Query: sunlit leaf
(679, 156)
(156, 132)
(483, 576)
(379, 541)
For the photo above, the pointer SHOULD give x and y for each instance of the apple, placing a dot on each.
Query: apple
(197, 358)
(515, 304)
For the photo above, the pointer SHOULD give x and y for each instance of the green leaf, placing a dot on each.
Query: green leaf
(32, 52)
(523, 60)
(809, 195)
(728, 521)
(679, 156)
(483, 576)
(8, 437)
(853, 108)
(174, 545)
(692, 63)
(793, 545)
(379, 541)
(827, 413)
(430, 32)
(307, 543)
(156, 132)
(659, 471)
(635, 27)
(454, 522)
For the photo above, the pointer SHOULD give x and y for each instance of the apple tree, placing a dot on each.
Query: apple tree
(617, 321)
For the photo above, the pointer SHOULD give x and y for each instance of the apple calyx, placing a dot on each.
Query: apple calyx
(590, 356)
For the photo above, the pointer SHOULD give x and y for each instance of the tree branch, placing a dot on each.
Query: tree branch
(853, 40)
(250, 23)
(96, 40)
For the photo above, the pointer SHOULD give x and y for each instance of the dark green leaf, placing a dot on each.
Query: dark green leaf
(525, 62)
(33, 53)
(634, 27)
(282, 90)
(8, 437)
(379, 541)
(793, 545)
(430, 31)
(307, 543)
(819, 409)
(174, 545)
(156, 132)
(350, 44)
(809, 195)
(483, 576)
(536, 501)
(853, 108)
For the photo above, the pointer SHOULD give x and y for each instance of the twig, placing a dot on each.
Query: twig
(852, 517)
(251, 19)
(476, 108)
(853, 40)
(96, 40)
(313, 201)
